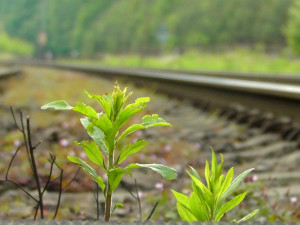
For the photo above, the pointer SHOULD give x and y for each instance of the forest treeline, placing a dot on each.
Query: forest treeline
(149, 26)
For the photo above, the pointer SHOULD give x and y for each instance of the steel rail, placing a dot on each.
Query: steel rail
(235, 82)
(224, 80)
(4, 73)
(281, 99)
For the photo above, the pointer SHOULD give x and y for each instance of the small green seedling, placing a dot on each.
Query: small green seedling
(104, 129)
(208, 203)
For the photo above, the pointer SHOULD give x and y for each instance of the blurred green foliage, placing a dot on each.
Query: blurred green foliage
(236, 59)
(292, 30)
(14, 45)
(150, 26)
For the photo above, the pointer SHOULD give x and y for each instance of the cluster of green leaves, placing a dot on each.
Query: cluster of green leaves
(208, 203)
(104, 129)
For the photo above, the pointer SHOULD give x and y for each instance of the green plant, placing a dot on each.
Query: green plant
(104, 129)
(208, 203)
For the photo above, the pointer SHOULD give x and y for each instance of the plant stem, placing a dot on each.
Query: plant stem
(108, 192)
(108, 205)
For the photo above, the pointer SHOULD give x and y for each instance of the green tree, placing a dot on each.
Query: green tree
(292, 30)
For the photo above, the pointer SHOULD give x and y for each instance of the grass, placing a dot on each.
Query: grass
(240, 60)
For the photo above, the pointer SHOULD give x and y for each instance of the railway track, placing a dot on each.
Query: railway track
(253, 123)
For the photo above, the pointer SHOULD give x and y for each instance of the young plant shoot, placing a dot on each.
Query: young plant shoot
(208, 203)
(104, 129)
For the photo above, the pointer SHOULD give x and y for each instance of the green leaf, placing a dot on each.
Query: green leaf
(207, 175)
(227, 181)
(95, 133)
(58, 105)
(205, 192)
(86, 167)
(214, 166)
(115, 176)
(181, 198)
(118, 97)
(229, 205)
(103, 123)
(249, 216)
(234, 185)
(104, 100)
(130, 130)
(131, 149)
(101, 184)
(166, 172)
(130, 110)
(183, 207)
(117, 205)
(185, 213)
(197, 208)
(93, 153)
(154, 121)
(220, 166)
(85, 110)
(195, 174)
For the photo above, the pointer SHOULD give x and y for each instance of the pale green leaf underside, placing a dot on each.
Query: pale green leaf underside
(249, 216)
(234, 185)
(166, 172)
(148, 122)
(86, 167)
(95, 133)
(58, 105)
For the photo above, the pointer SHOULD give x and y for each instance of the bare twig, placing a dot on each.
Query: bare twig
(34, 147)
(138, 199)
(11, 161)
(52, 161)
(19, 186)
(13, 114)
(34, 168)
(74, 177)
(36, 211)
(151, 213)
(60, 190)
(25, 139)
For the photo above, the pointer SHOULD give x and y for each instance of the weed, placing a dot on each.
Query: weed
(208, 203)
(104, 128)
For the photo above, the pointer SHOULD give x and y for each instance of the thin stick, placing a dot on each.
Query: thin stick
(11, 161)
(36, 211)
(19, 186)
(72, 179)
(52, 161)
(60, 190)
(25, 139)
(34, 147)
(151, 213)
(13, 115)
(138, 199)
(34, 168)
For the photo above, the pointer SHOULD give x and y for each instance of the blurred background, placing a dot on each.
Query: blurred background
(248, 35)
(260, 36)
